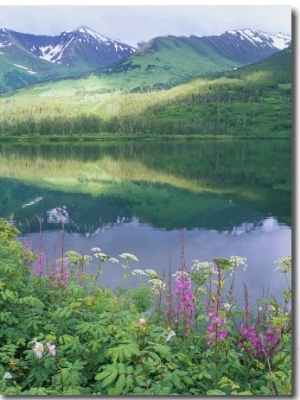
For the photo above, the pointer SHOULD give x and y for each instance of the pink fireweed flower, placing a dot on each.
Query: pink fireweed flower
(183, 294)
(222, 334)
(59, 276)
(40, 265)
(52, 349)
(213, 328)
(259, 344)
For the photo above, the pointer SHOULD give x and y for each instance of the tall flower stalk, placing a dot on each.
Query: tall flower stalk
(183, 297)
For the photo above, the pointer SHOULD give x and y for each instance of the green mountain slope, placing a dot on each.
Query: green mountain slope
(19, 69)
(165, 62)
(252, 101)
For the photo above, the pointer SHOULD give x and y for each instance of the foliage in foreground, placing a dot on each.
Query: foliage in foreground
(62, 333)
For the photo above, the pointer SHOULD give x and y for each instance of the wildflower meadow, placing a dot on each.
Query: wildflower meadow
(184, 333)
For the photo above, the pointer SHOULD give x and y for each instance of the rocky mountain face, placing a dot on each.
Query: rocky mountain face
(26, 59)
(82, 48)
(246, 45)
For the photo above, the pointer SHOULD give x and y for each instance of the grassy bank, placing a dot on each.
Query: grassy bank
(106, 136)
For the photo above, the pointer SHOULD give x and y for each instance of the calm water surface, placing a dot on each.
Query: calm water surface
(228, 198)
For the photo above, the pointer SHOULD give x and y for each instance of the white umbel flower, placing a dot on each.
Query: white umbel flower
(129, 256)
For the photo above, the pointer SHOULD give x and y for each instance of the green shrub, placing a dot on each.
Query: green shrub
(62, 333)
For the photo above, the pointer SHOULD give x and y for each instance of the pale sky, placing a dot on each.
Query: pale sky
(134, 23)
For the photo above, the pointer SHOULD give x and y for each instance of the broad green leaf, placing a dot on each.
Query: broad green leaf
(120, 384)
(244, 393)
(109, 380)
(215, 392)
(102, 375)
(265, 390)
(176, 381)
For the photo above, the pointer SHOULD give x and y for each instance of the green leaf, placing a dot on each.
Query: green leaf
(188, 380)
(164, 390)
(265, 390)
(109, 380)
(129, 382)
(102, 375)
(244, 393)
(176, 381)
(121, 368)
(163, 351)
(120, 384)
(281, 374)
(113, 392)
(31, 301)
(123, 352)
(206, 375)
(215, 392)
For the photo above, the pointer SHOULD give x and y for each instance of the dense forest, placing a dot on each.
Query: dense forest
(253, 101)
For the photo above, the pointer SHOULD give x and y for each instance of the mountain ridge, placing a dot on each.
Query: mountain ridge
(26, 59)
(53, 48)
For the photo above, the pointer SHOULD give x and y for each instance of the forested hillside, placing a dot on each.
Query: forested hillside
(254, 101)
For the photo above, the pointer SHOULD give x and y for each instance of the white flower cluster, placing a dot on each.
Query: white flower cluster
(236, 261)
(113, 260)
(284, 264)
(129, 256)
(148, 272)
(103, 257)
(151, 273)
(181, 274)
(228, 306)
(96, 249)
(157, 285)
(138, 272)
(204, 267)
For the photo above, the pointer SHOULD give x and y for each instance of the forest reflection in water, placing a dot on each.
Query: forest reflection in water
(229, 197)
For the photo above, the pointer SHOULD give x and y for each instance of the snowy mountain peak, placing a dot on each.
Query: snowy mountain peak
(82, 47)
(258, 38)
(85, 31)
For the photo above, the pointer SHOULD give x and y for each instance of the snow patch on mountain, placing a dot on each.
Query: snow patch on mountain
(3, 44)
(54, 53)
(29, 70)
(94, 34)
(280, 40)
(57, 49)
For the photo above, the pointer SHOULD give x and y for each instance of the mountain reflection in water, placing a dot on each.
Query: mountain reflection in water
(230, 198)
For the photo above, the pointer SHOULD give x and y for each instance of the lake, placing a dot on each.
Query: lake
(227, 197)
